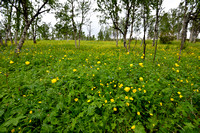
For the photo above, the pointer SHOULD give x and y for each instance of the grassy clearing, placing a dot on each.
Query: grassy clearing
(53, 87)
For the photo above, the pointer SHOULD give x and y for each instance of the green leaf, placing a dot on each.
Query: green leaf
(13, 121)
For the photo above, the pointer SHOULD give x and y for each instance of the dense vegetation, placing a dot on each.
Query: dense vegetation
(54, 87)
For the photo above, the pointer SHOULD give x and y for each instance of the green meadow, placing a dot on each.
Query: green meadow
(54, 87)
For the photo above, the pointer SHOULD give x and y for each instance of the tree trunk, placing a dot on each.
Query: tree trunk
(22, 39)
(130, 38)
(156, 30)
(1, 41)
(144, 21)
(117, 38)
(184, 29)
(79, 39)
(10, 36)
(75, 38)
(124, 40)
(154, 38)
(16, 36)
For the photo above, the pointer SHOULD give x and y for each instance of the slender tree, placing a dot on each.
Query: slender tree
(158, 4)
(191, 12)
(84, 6)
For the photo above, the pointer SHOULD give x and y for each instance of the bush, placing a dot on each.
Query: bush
(166, 39)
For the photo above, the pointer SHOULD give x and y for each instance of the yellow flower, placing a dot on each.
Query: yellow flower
(131, 65)
(13, 130)
(47, 71)
(98, 62)
(159, 65)
(127, 89)
(172, 99)
(142, 57)
(120, 86)
(86, 59)
(127, 104)
(160, 104)
(74, 70)
(179, 92)
(131, 98)
(173, 69)
(31, 112)
(176, 65)
(53, 80)
(120, 68)
(126, 97)
(115, 109)
(134, 90)
(24, 95)
(76, 99)
(97, 68)
(106, 101)
(133, 127)
(139, 89)
(88, 101)
(127, 53)
(40, 102)
(141, 64)
(105, 64)
(141, 78)
(151, 114)
(138, 113)
(112, 100)
(177, 71)
(27, 62)
(145, 91)
(11, 62)
(30, 121)
(180, 96)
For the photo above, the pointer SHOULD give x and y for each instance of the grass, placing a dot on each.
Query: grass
(53, 87)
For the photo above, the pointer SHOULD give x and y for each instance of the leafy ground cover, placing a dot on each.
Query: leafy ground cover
(53, 87)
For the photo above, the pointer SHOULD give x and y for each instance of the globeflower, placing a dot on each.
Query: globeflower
(112, 100)
(76, 99)
(138, 113)
(127, 89)
(141, 78)
(131, 98)
(172, 99)
(141, 64)
(53, 81)
(134, 90)
(127, 104)
(176, 65)
(115, 109)
(133, 127)
(27, 62)
(11, 62)
(121, 85)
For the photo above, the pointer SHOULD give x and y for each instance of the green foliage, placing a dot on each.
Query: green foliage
(53, 87)
(166, 38)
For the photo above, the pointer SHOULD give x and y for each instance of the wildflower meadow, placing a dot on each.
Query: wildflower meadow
(54, 87)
